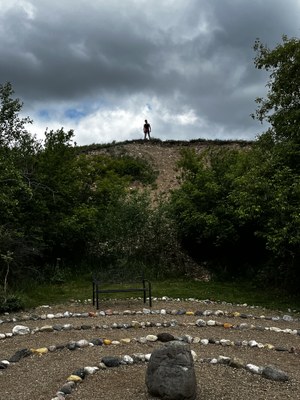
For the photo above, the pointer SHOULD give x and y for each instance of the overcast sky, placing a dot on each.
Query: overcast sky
(101, 67)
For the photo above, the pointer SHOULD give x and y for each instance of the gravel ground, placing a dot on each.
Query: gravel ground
(40, 377)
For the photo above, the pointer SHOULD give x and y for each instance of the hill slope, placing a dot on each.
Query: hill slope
(163, 156)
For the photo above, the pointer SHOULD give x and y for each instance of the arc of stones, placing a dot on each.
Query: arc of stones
(79, 375)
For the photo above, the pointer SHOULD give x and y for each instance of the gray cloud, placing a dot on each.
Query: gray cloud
(191, 61)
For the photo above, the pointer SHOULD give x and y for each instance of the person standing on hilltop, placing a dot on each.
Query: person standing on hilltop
(147, 130)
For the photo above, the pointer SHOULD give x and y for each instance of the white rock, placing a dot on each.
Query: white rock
(188, 338)
(163, 311)
(6, 362)
(197, 339)
(50, 316)
(8, 334)
(245, 343)
(225, 342)
(211, 323)
(115, 342)
(214, 361)
(275, 329)
(287, 318)
(20, 330)
(2, 336)
(260, 345)
(275, 318)
(146, 311)
(219, 312)
(223, 360)
(91, 370)
(254, 368)
(252, 343)
(147, 356)
(194, 355)
(128, 359)
(204, 342)
(67, 314)
(82, 343)
(142, 340)
(151, 338)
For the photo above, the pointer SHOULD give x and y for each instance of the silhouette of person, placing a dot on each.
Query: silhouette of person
(147, 130)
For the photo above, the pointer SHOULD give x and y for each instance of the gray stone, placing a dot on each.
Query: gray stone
(170, 374)
(200, 322)
(111, 361)
(280, 348)
(67, 388)
(274, 374)
(80, 372)
(71, 345)
(58, 327)
(96, 342)
(165, 337)
(19, 355)
(287, 318)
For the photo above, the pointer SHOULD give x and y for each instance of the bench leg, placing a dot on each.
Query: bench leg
(150, 294)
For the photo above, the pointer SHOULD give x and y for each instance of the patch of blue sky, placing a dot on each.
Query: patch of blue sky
(44, 114)
(74, 114)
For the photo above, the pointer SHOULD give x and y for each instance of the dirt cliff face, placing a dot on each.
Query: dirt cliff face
(164, 156)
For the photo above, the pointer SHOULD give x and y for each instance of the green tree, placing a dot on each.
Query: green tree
(281, 106)
(281, 144)
(13, 132)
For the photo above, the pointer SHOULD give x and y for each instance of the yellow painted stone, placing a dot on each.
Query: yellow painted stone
(40, 351)
(269, 346)
(236, 314)
(74, 378)
(227, 325)
(107, 341)
(190, 313)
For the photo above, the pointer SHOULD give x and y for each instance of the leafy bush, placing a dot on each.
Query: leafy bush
(11, 303)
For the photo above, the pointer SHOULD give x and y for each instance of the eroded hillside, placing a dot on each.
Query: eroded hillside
(163, 156)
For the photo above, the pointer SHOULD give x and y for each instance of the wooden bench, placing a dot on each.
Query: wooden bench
(120, 283)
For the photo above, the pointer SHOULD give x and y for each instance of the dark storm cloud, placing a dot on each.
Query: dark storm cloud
(193, 58)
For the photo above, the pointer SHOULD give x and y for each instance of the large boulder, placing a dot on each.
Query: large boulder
(171, 374)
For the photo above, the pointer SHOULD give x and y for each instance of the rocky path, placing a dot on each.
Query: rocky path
(232, 346)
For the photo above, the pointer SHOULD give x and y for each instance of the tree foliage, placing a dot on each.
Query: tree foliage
(246, 203)
(59, 204)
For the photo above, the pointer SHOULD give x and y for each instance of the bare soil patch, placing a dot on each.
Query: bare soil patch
(40, 377)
